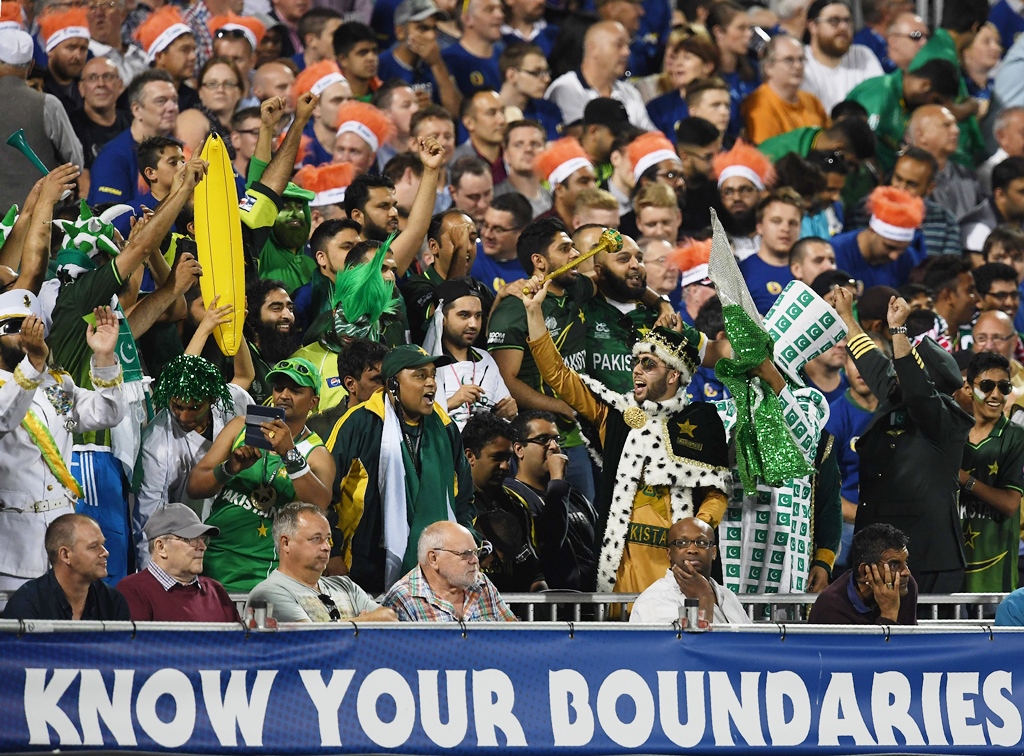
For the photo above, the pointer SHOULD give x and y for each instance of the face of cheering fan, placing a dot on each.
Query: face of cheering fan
(417, 388)
(653, 380)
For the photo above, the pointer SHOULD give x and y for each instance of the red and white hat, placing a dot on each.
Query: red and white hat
(251, 28)
(317, 78)
(649, 149)
(560, 160)
(55, 28)
(747, 162)
(328, 182)
(161, 29)
(895, 214)
(11, 15)
(692, 258)
(365, 121)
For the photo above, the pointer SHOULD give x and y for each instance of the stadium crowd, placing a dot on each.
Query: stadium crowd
(437, 399)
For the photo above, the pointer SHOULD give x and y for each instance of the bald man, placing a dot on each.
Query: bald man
(993, 332)
(906, 35)
(605, 57)
(274, 79)
(933, 128)
(691, 550)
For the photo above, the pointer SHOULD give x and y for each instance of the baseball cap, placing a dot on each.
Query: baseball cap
(300, 370)
(415, 10)
(604, 111)
(15, 47)
(407, 356)
(177, 519)
(829, 279)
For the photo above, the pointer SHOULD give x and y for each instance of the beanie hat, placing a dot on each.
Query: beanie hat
(328, 182)
(560, 160)
(649, 149)
(744, 161)
(895, 214)
(365, 121)
(157, 32)
(252, 29)
(317, 78)
(55, 28)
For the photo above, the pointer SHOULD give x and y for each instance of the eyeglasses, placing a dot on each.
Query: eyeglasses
(646, 364)
(1002, 296)
(332, 608)
(484, 549)
(789, 62)
(11, 326)
(540, 73)
(988, 384)
(742, 191)
(706, 157)
(836, 21)
(107, 78)
(983, 338)
(545, 440)
(684, 543)
(228, 85)
(193, 542)
(917, 36)
(249, 132)
(499, 229)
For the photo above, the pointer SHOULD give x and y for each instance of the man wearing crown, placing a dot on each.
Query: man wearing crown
(39, 409)
(665, 459)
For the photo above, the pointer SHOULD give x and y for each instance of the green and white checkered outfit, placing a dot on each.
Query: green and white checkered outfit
(766, 540)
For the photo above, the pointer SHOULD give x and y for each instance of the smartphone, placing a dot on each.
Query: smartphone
(255, 415)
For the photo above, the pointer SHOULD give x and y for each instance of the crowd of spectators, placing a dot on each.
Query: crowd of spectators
(457, 405)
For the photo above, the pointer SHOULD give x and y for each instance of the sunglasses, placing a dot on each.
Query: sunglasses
(646, 364)
(11, 326)
(298, 367)
(332, 608)
(988, 384)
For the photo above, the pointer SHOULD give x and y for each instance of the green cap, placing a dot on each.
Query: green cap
(293, 191)
(300, 370)
(407, 356)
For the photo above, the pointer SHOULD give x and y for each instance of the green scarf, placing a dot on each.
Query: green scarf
(427, 493)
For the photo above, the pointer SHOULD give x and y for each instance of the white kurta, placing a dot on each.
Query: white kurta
(663, 601)
(168, 455)
(31, 497)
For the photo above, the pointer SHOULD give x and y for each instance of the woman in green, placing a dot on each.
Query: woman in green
(250, 484)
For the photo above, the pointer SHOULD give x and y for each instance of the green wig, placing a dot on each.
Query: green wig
(362, 296)
(192, 379)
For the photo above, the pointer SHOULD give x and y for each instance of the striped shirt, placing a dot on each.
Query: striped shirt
(413, 601)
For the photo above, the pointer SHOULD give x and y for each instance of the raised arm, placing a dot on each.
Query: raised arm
(279, 172)
(407, 244)
(32, 239)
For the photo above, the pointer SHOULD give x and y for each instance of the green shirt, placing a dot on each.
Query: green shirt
(243, 553)
(991, 539)
(800, 141)
(565, 320)
(882, 97)
(610, 337)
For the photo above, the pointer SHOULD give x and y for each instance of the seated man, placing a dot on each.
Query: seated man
(297, 588)
(878, 589)
(446, 585)
(691, 550)
(172, 588)
(73, 588)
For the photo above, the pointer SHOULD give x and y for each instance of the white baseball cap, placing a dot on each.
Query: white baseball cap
(15, 47)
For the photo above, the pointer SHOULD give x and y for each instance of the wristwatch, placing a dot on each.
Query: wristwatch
(898, 330)
(293, 460)
(969, 485)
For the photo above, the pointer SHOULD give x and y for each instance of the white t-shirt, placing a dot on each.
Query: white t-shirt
(571, 96)
(831, 85)
(660, 604)
(482, 372)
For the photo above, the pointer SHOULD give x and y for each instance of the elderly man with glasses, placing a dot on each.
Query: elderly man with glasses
(691, 550)
(297, 590)
(447, 585)
(172, 588)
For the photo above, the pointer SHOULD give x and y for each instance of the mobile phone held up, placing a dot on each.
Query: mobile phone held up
(255, 415)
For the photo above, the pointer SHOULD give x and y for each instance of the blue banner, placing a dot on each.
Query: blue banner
(434, 691)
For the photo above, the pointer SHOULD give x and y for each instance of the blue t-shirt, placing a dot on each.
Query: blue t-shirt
(1007, 21)
(705, 387)
(317, 155)
(877, 44)
(894, 274)
(383, 22)
(299, 59)
(473, 74)
(830, 396)
(545, 39)
(547, 114)
(115, 172)
(765, 281)
(739, 88)
(494, 274)
(419, 77)
(847, 421)
(666, 111)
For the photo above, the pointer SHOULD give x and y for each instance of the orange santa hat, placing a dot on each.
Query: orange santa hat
(365, 121)
(317, 78)
(250, 27)
(692, 258)
(161, 29)
(649, 149)
(328, 182)
(895, 214)
(11, 15)
(560, 160)
(55, 28)
(745, 161)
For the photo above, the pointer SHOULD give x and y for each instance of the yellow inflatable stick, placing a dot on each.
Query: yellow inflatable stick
(219, 242)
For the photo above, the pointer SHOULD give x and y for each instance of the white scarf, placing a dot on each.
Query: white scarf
(647, 454)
